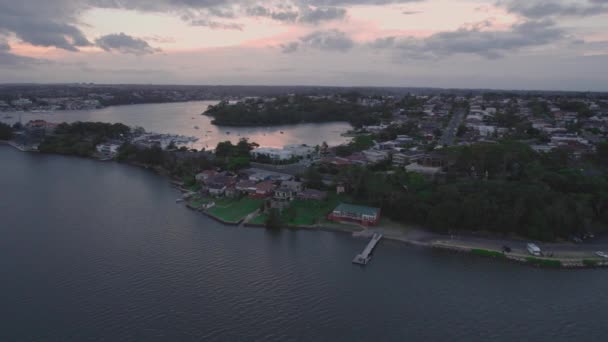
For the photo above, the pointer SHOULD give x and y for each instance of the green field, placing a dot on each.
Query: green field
(197, 201)
(308, 212)
(303, 212)
(234, 210)
(260, 219)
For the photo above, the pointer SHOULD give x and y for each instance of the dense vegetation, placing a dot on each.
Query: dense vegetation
(502, 188)
(6, 132)
(185, 164)
(291, 110)
(234, 157)
(80, 138)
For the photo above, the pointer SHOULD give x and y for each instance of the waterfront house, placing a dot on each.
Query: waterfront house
(246, 186)
(294, 186)
(374, 156)
(364, 215)
(264, 189)
(218, 184)
(231, 192)
(285, 193)
(204, 175)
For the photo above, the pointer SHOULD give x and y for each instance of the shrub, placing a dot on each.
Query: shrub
(486, 253)
(590, 262)
(543, 262)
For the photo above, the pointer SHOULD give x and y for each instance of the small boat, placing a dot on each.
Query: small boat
(196, 127)
(281, 132)
(228, 133)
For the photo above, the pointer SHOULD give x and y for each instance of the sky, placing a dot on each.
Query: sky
(499, 44)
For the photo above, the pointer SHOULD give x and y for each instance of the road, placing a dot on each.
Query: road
(449, 134)
(417, 235)
(558, 250)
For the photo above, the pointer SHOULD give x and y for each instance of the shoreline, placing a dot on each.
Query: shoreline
(429, 239)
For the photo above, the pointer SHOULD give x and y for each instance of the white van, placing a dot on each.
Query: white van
(533, 249)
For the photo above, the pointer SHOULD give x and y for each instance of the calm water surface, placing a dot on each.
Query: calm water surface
(181, 118)
(93, 251)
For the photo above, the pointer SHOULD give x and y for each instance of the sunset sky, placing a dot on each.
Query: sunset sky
(506, 44)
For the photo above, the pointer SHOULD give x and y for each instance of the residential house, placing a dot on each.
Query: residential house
(264, 189)
(246, 187)
(204, 175)
(287, 191)
(400, 159)
(374, 156)
(218, 184)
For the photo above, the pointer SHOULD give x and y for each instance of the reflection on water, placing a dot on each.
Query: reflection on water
(93, 251)
(183, 118)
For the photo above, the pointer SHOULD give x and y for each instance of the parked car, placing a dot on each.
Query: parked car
(602, 254)
(576, 239)
(534, 249)
(588, 236)
(506, 249)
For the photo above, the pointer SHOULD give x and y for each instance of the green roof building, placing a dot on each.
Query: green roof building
(361, 214)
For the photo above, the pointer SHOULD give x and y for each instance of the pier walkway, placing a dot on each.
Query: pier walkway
(366, 255)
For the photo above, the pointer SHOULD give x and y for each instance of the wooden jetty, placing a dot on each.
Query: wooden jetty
(366, 255)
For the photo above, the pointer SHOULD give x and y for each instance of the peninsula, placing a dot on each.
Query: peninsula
(478, 173)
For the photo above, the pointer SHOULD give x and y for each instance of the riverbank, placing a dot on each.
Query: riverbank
(563, 255)
(21, 148)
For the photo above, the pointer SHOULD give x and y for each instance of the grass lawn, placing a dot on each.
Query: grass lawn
(197, 201)
(231, 210)
(260, 219)
(309, 212)
(193, 187)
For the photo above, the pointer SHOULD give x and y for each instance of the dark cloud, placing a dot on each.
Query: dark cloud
(7, 58)
(124, 43)
(216, 25)
(316, 15)
(355, 2)
(330, 40)
(55, 23)
(285, 13)
(383, 43)
(552, 8)
(290, 47)
(43, 23)
(302, 14)
(489, 44)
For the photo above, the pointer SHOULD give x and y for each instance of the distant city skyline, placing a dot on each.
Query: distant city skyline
(495, 44)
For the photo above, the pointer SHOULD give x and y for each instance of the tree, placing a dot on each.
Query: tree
(243, 147)
(6, 132)
(314, 179)
(224, 149)
(273, 221)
